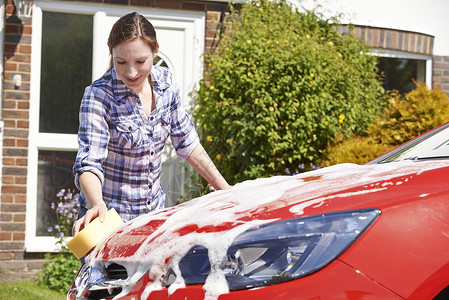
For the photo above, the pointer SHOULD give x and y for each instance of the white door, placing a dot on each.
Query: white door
(181, 42)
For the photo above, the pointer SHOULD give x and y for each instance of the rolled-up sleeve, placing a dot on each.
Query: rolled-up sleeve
(93, 135)
(183, 134)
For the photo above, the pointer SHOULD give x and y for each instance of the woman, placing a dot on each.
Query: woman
(125, 118)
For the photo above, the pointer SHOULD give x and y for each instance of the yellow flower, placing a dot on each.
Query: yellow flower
(326, 123)
(212, 87)
(261, 9)
(339, 55)
(331, 44)
(250, 74)
(268, 42)
(218, 156)
(271, 109)
(341, 118)
(209, 138)
(248, 41)
(308, 36)
(210, 65)
(228, 49)
(312, 75)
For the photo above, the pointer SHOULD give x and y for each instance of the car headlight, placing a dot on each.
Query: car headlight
(280, 251)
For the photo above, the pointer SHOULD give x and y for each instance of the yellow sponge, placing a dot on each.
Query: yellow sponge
(93, 233)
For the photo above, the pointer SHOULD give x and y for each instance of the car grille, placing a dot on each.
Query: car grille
(116, 271)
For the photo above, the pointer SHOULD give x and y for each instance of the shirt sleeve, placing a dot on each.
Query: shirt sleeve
(183, 134)
(93, 135)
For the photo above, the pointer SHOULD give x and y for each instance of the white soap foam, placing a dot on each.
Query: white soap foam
(299, 209)
(214, 209)
(165, 247)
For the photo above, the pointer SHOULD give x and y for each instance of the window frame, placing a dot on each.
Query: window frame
(38, 140)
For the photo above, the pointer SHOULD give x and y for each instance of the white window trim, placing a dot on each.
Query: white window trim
(407, 55)
(68, 142)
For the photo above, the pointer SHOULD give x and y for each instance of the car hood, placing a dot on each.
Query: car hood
(160, 239)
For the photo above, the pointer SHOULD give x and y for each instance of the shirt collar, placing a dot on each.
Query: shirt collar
(119, 88)
(159, 85)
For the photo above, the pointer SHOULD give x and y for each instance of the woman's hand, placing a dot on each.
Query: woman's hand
(98, 210)
(91, 187)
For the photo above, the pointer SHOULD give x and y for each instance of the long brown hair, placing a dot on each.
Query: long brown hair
(130, 27)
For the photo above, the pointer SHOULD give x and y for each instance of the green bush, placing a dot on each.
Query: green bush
(418, 112)
(60, 268)
(59, 271)
(421, 110)
(279, 87)
(357, 150)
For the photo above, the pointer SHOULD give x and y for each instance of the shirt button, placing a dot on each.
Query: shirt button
(151, 118)
(152, 152)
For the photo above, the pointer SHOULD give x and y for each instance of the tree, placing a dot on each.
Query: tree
(279, 87)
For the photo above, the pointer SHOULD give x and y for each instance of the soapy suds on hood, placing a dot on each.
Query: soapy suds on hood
(163, 249)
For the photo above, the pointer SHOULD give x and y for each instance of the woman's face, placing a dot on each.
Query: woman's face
(133, 61)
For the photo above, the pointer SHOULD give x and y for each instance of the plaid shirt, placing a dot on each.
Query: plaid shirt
(123, 147)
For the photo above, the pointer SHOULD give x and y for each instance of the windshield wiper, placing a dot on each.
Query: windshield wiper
(412, 158)
(427, 157)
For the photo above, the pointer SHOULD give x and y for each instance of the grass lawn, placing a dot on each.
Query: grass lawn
(27, 290)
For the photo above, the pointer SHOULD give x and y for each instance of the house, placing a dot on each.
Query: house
(50, 57)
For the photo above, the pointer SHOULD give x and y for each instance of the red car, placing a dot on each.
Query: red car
(376, 231)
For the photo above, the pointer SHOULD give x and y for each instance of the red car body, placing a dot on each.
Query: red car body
(402, 254)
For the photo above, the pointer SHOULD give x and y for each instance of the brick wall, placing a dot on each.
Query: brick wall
(399, 40)
(441, 72)
(15, 263)
(15, 114)
(392, 39)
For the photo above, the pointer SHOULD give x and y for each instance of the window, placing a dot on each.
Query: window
(400, 73)
(54, 174)
(61, 69)
(158, 61)
(400, 69)
(66, 68)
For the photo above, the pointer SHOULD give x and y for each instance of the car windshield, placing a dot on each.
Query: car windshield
(434, 145)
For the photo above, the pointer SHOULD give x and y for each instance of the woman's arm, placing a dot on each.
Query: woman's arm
(200, 160)
(90, 185)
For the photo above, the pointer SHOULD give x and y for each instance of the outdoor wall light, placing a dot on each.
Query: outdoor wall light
(23, 8)
(17, 79)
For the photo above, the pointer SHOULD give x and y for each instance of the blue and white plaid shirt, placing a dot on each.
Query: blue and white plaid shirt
(123, 147)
